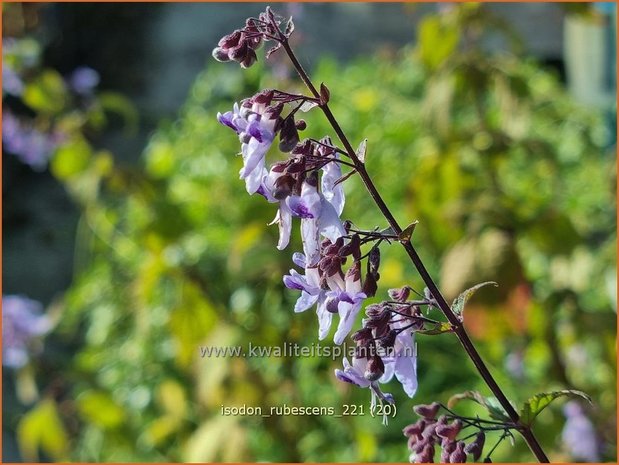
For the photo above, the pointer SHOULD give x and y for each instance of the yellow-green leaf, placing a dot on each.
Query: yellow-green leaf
(71, 158)
(99, 408)
(46, 93)
(42, 429)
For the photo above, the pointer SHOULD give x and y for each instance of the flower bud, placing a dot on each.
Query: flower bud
(362, 335)
(400, 294)
(283, 187)
(249, 59)
(414, 429)
(301, 124)
(427, 455)
(374, 369)
(427, 411)
(239, 52)
(458, 455)
(447, 448)
(288, 136)
(476, 447)
(264, 97)
(353, 247)
(369, 285)
(449, 431)
(220, 54)
(388, 341)
(231, 40)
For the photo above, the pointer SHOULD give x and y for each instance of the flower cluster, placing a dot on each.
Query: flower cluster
(241, 45)
(307, 185)
(22, 322)
(430, 432)
(31, 145)
(34, 140)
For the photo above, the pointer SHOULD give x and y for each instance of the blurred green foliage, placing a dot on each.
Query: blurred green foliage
(510, 180)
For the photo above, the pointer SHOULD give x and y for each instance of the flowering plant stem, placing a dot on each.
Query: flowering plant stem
(456, 323)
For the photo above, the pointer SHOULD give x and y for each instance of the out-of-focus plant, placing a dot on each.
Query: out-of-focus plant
(491, 156)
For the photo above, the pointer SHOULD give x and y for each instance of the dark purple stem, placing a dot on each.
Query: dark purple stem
(458, 327)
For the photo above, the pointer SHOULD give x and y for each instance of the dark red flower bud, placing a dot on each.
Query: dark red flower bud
(415, 428)
(240, 52)
(362, 335)
(369, 285)
(264, 97)
(458, 455)
(220, 54)
(427, 411)
(231, 40)
(427, 455)
(447, 448)
(353, 247)
(449, 431)
(283, 187)
(400, 294)
(288, 136)
(374, 369)
(476, 447)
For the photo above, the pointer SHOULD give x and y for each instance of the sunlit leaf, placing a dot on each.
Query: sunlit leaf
(47, 93)
(99, 408)
(71, 158)
(458, 304)
(539, 402)
(42, 429)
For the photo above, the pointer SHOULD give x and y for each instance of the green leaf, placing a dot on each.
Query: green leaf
(71, 158)
(99, 408)
(438, 329)
(46, 93)
(436, 41)
(491, 404)
(406, 234)
(539, 402)
(458, 304)
(41, 428)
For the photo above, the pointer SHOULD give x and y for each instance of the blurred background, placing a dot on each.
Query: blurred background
(128, 240)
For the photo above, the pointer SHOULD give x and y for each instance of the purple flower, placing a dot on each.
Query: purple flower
(318, 217)
(355, 374)
(84, 80)
(578, 435)
(403, 362)
(334, 194)
(30, 145)
(11, 82)
(22, 321)
(256, 129)
(343, 296)
(349, 301)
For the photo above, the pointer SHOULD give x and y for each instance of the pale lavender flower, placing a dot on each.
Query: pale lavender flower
(578, 435)
(84, 80)
(403, 361)
(22, 321)
(255, 125)
(355, 374)
(349, 301)
(12, 84)
(318, 217)
(30, 145)
(334, 194)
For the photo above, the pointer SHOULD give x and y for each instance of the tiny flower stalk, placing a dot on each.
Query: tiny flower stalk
(307, 187)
